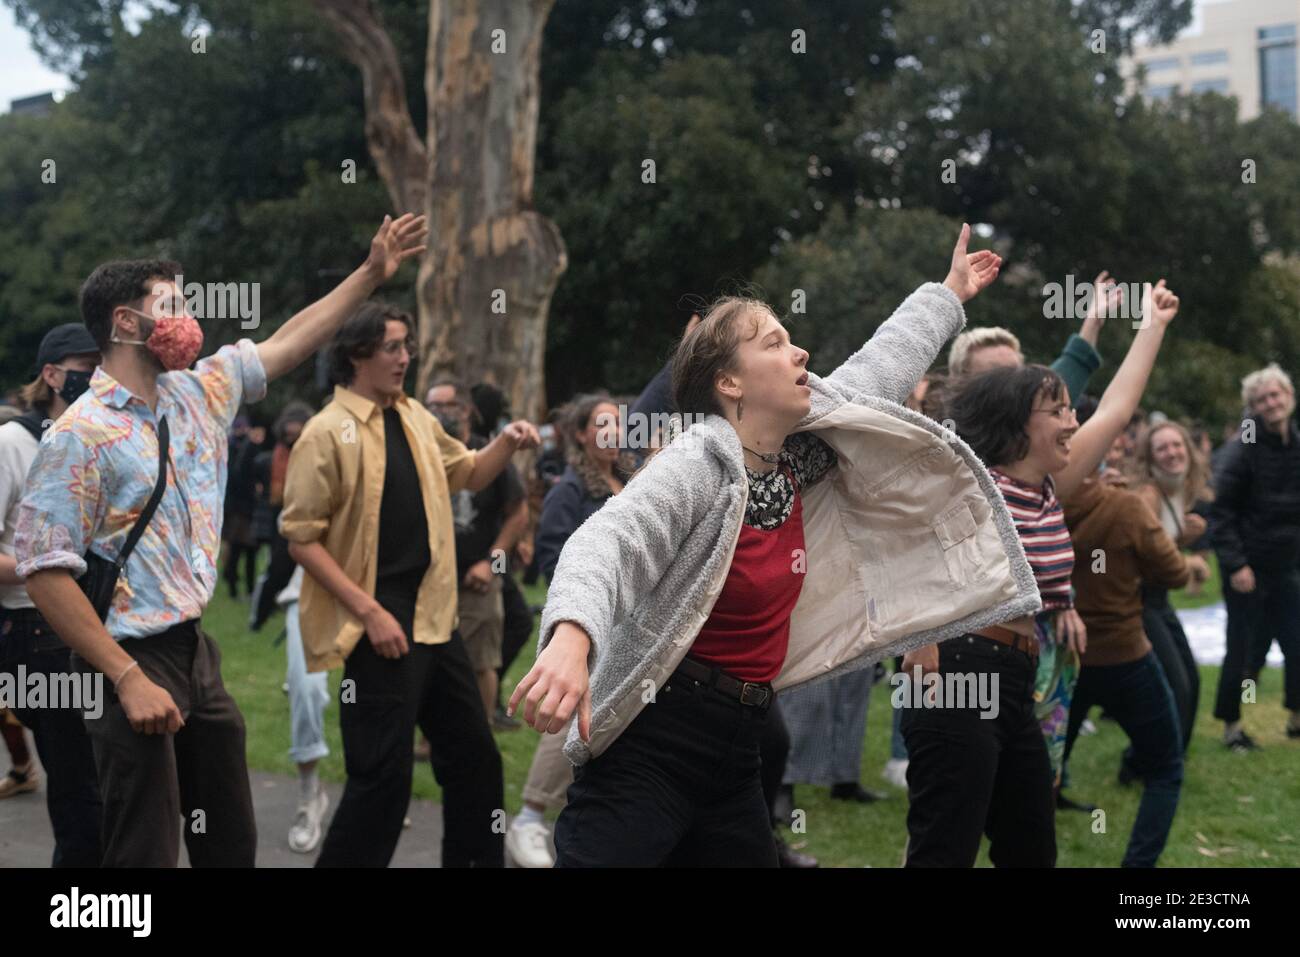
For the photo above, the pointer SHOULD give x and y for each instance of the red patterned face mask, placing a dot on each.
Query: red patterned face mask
(175, 340)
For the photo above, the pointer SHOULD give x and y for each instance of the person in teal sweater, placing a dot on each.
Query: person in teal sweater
(987, 347)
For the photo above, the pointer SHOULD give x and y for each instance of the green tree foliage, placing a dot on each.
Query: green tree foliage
(831, 146)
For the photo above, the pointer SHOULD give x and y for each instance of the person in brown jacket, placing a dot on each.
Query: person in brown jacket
(1119, 545)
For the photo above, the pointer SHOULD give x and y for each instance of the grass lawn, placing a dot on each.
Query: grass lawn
(1236, 810)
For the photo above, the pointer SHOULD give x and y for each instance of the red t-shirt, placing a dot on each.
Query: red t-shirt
(748, 631)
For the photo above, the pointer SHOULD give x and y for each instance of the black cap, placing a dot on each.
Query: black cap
(69, 339)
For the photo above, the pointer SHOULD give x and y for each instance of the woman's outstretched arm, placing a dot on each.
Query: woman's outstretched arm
(606, 568)
(893, 360)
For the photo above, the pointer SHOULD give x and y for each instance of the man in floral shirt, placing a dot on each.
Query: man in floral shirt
(170, 741)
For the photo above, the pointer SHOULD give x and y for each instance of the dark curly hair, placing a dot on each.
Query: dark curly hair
(991, 410)
(360, 335)
(119, 283)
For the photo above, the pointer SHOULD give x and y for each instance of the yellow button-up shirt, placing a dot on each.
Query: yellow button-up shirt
(332, 493)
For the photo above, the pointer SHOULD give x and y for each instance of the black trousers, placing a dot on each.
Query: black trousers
(1169, 642)
(968, 775)
(278, 572)
(680, 787)
(248, 555)
(153, 784)
(518, 626)
(432, 687)
(71, 786)
(1272, 609)
(774, 750)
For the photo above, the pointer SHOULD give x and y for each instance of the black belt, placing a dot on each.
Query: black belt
(749, 693)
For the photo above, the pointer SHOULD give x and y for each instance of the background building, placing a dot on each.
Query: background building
(1244, 48)
(39, 105)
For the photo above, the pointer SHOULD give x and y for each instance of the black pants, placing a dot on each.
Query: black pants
(968, 775)
(518, 626)
(774, 750)
(1169, 642)
(71, 787)
(278, 572)
(152, 784)
(1272, 609)
(680, 787)
(248, 555)
(432, 687)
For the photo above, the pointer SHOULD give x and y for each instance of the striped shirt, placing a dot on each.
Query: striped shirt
(1040, 521)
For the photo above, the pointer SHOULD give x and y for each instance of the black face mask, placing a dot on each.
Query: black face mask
(75, 382)
(450, 422)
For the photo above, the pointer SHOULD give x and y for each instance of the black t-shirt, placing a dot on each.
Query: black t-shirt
(404, 554)
(480, 515)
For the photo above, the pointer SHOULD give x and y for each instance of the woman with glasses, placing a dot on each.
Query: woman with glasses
(984, 767)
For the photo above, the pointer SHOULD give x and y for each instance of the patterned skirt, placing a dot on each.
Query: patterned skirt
(1058, 673)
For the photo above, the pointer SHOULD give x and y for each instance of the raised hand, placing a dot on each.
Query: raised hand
(397, 241)
(1159, 304)
(970, 273)
(1106, 297)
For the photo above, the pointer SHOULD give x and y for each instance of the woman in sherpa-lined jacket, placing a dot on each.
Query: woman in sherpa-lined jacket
(804, 528)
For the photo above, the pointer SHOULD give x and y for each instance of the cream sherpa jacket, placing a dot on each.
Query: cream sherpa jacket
(907, 539)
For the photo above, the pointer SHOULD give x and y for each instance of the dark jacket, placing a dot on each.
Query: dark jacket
(241, 478)
(566, 506)
(1255, 518)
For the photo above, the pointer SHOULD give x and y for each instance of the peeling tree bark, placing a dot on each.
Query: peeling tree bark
(484, 287)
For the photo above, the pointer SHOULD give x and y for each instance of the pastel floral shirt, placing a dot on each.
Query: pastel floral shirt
(94, 472)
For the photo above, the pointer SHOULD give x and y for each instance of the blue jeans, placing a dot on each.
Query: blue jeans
(1138, 697)
(309, 693)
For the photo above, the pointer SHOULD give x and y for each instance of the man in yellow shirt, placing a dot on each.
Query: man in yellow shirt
(367, 513)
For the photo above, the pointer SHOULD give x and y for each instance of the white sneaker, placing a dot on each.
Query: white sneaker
(305, 834)
(895, 772)
(527, 844)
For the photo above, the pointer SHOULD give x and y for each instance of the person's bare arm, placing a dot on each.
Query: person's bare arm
(1122, 396)
(492, 458)
(479, 575)
(308, 330)
(149, 708)
(513, 528)
(381, 627)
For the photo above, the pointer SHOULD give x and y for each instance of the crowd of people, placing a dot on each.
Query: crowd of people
(721, 598)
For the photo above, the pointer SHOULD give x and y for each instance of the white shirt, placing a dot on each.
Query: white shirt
(17, 450)
(1172, 509)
